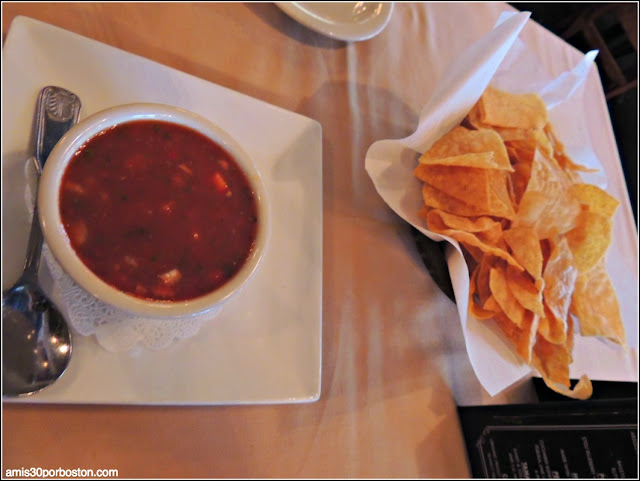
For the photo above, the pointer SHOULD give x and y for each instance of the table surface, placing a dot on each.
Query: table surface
(394, 361)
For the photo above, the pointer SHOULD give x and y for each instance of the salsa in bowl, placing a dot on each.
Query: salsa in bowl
(154, 210)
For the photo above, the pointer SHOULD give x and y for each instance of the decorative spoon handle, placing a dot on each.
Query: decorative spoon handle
(56, 112)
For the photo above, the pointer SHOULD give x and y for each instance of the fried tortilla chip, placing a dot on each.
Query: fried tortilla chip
(532, 206)
(581, 391)
(435, 224)
(520, 179)
(437, 199)
(560, 274)
(474, 116)
(560, 154)
(491, 304)
(523, 338)
(552, 210)
(526, 140)
(504, 109)
(475, 302)
(552, 362)
(555, 359)
(589, 240)
(482, 279)
(525, 290)
(485, 189)
(525, 248)
(460, 141)
(499, 199)
(483, 160)
(474, 190)
(457, 222)
(595, 199)
(595, 304)
(503, 296)
(493, 237)
(551, 328)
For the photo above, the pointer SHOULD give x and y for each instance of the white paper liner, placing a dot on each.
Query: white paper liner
(501, 60)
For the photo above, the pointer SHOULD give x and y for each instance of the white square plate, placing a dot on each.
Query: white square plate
(266, 345)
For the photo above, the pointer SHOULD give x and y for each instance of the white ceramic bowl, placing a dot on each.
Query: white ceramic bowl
(60, 245)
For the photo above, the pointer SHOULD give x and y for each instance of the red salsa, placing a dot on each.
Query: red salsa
(158, 210)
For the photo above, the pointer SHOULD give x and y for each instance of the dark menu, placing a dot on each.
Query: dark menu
(584, 439)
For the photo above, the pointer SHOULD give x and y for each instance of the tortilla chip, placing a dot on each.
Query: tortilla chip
(525, 248)
(532, 206)
(438, 199)
(561, 155)
(522, 338)
(474, 190)
(447, 220)
(559, 276)
(552, 210)
(482, 279)
(524, 290)
(596, 306)
(526, 140)
(555, 359)
(472, 255)
(469, 239)
(520, 179)
(485, 189)
(552, 361)
(475, 304)
(581, 391)
(505, 299)
(492, 305)
(594, 199)
(554, 140)
(493, 236)
(499, 199)
(551, 328)
(460, 141)
(474, 117)
(589, 240)
(504, 109)
(483, 160)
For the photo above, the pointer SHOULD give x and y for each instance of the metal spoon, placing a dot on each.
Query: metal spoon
(36, 341)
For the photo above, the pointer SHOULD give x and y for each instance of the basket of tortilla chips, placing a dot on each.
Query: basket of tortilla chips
(534, 235)
(528, 227)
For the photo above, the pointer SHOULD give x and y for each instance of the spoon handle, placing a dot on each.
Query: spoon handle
(56, 111)
(34, 249)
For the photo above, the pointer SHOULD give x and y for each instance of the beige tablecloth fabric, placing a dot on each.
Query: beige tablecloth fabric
(394, 362)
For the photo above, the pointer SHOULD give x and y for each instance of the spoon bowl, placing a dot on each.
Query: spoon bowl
(36, 341)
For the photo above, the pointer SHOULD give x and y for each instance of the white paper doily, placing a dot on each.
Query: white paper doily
(115, 330)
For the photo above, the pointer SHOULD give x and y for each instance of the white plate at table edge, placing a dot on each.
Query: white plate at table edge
(129, 375)
(346, 28)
